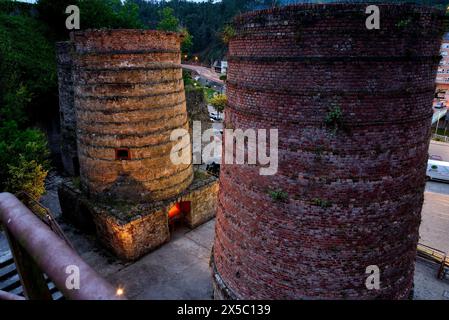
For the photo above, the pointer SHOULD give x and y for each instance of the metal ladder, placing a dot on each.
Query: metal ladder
(10, 281)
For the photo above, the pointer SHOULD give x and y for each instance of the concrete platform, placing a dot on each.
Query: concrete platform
(434, 230)
(177, 270)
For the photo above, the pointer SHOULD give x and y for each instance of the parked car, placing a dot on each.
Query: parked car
(438, 170)
(213, 169)
(215, 118)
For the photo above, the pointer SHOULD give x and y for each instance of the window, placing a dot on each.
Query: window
(122, 154)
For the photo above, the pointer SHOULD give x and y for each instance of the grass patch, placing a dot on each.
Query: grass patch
(442, 132)
(278, 195)
(322, 203)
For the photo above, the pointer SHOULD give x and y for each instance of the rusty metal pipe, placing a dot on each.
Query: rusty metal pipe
(51, 253)
(9, 296)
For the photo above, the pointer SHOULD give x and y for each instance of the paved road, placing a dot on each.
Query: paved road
(439, 149)
(204, 72)
(438, 187)
(434, 230)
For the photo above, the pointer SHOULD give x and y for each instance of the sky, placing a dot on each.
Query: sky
(33, 1)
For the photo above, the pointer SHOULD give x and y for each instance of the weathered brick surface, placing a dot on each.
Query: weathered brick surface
(69, 153)
(198, 112)
(354, 195)
(129, 93)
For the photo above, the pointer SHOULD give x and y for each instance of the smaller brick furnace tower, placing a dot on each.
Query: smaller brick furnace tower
(353, 108)
(128, 99)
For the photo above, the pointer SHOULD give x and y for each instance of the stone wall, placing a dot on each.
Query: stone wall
(353, 109)
(69, 152)
(197, 110)
(203, 198)
(132, 230)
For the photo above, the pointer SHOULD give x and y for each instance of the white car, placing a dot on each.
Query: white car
(438, 170)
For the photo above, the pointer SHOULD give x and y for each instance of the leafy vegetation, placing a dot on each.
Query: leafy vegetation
(94, 14)
(322, 203)
(278, 195)
(27, 85)
(228, 33)
(219, 102)
(442, 132)
(28, 176)
(28, 81)
(334, 119)
(170, 23)
(204, 20)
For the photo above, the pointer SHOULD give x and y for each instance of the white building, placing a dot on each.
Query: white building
(221, 67)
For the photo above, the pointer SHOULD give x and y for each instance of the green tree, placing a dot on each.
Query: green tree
(96, 14)
(28, 80)
(23, 158)
(187, 42)
(109, 14)
(169, 22)
(28, 176)
(28, 86)
(228, 33)
(219, 102)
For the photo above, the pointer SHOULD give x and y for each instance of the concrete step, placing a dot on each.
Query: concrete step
(10, 283)
(6, 259)
(7, 272)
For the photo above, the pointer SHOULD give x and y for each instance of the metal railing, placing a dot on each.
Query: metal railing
(441, 138)
(38, 248)
(434, 255)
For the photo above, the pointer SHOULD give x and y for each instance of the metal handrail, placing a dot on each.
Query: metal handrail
(42, 213)
(52, 255)
(9, 296)
(436, 255)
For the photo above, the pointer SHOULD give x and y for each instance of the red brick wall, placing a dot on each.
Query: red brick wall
(354, 195)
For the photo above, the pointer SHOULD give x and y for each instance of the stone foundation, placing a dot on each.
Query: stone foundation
(133, 230)
(221, 290)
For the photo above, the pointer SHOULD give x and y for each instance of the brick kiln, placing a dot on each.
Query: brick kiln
(353, 109)
(129, 97)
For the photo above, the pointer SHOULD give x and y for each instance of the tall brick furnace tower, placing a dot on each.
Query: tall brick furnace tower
(353, 109)
(128, 97)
